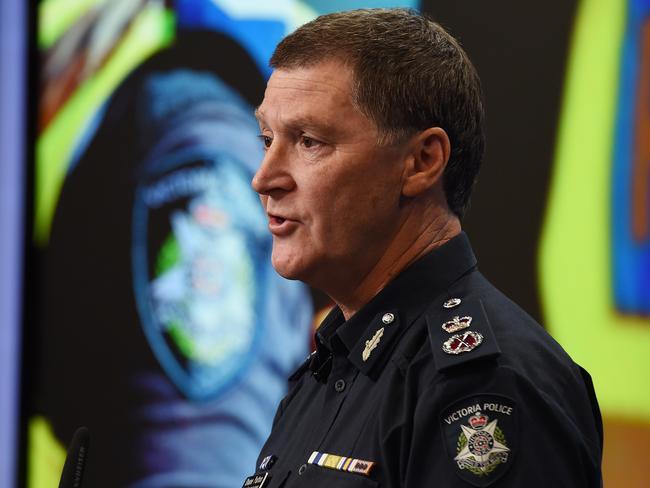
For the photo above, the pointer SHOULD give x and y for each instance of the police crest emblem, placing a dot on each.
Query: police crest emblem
(480, 437)
(481, 446)
(199, 248)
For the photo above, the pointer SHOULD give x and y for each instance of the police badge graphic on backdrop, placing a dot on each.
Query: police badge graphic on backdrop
(199, 244)
(480, 435)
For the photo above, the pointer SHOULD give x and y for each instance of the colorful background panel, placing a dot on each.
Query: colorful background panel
(594, 254)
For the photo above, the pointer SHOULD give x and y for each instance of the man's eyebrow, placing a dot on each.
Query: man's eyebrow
(299, 122)
(258, 114)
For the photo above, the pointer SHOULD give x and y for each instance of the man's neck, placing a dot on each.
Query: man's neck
(409, 246)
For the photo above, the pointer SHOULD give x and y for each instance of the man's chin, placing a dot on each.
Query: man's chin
(291, 268)
(286, 268)
(285, 274)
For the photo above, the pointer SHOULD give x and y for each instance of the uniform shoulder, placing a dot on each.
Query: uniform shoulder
(525, 344)
(489, 372)
(459, 332)
(475, 321)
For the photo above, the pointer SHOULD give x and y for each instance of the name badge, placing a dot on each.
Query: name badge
(257, 481)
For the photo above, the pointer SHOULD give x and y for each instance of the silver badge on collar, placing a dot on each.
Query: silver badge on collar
(388, 318)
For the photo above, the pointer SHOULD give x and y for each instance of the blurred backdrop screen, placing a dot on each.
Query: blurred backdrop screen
(158, 321)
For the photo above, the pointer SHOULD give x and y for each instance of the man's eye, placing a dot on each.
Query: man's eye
(308, 142)
(266, 140)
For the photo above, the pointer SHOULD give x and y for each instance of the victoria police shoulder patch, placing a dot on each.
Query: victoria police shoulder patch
(480, 436)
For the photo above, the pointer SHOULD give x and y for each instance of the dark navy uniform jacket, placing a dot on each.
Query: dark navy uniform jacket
(439, 381)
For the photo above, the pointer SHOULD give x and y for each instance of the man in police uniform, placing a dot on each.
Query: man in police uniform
(424, 373)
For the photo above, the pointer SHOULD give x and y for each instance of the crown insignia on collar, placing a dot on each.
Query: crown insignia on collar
(457, 323)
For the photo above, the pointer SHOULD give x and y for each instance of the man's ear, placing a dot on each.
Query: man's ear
(428, 155)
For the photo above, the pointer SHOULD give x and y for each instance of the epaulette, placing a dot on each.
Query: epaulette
(460, 332)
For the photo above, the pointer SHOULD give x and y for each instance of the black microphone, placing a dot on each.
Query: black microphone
(73, 469)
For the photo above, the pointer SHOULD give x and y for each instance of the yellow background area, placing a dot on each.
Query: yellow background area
(575, 252)
(151, 30)
(45, 455)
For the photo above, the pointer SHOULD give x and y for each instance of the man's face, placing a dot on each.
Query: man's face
(332, 194)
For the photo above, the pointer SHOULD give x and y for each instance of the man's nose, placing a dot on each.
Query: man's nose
(274, 173)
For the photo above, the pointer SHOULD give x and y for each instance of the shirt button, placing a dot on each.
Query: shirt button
(339, 386)
(302, 468)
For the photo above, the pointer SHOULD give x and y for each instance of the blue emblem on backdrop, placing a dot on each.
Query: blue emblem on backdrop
(630, 195)
(200, 242)
(199, 247)
(211, 307)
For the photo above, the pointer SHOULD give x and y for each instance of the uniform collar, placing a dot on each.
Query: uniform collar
(370, 335)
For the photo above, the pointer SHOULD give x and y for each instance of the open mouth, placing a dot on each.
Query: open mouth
(281, 226)
(277, 220)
